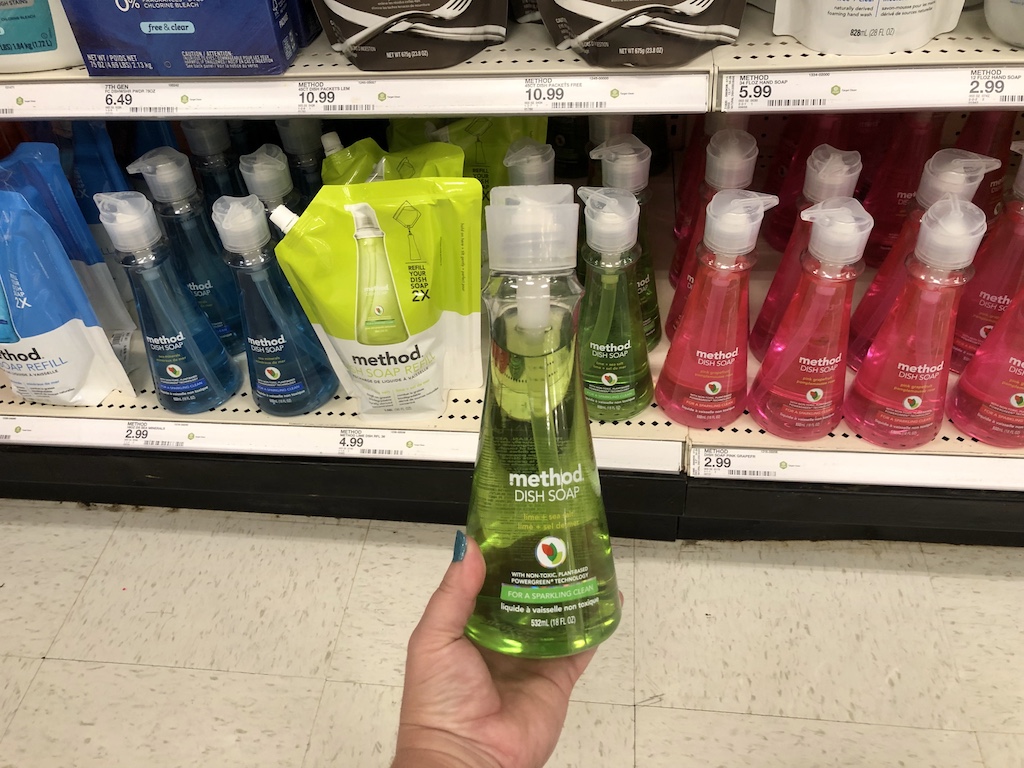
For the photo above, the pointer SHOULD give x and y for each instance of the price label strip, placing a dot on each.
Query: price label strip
(327, 97)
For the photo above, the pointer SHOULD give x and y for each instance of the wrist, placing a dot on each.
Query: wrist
(429, 748)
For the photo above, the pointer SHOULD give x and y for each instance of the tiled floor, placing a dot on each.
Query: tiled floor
(189, 638)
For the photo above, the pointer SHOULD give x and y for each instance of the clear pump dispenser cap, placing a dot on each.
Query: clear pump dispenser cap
(612, 217)
(532, 229)
(167, 174)
(840, 230)
(603, 127)
(1018, 183)
(129, 220)
(266, 172)
(530, 163)
(625, 162)
(734, 219)
(953, 171)
(207, 137)
(366, 221)
(831, 172)
(241, 223)
(300, 135)
(720, 121)
(951, 231)
(732, 156)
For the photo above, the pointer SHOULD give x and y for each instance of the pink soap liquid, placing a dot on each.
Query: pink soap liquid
(989, 133)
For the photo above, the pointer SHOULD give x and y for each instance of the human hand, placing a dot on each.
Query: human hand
(467, 707)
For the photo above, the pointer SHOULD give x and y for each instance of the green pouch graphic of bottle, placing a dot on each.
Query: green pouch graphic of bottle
(379, 318)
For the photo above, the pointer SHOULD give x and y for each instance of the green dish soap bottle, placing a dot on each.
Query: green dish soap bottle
(617, 381)
(536, 507)
(379, 318)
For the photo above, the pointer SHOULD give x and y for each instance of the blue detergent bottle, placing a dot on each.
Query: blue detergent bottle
(288, 369)
(191, 369)
(214, 159)
(179, 205)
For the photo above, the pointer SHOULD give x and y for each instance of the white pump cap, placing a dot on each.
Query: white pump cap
(530, 163)
(129, 220)
(732, 156)
(951, 232)
(612, 217)
(282, 218)
(207, 137)
(300, 135)
(1018, 183)
(266, 172)
(532, 229)
(331, 142)
(366, 221)
(719, 121)
(167, 174)
(840, 229)
(831, 172)
(953, 171)
(241, 223)
(603, 127)
(734, 219)
(625, 162)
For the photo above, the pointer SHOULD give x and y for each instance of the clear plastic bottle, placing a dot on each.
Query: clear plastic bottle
(190, 366)
(300, 138)
(798, 391)
(214, 159)
(625, 164)
(862, 132)
(731, 160)
(617, 381)
(266, 175)
(988, 400)
(830, 173)
(949, 171)
(990, 133)
(179, 206)
(289, 372)
(998, 273)
(704, 380)
(535, 506)
(530, 163)
(599, 130)
(897, 398)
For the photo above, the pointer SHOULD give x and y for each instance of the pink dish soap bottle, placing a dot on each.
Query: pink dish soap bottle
(989, 132)
(798, 392)
(897, 399)
(704, 380)
(830, 173)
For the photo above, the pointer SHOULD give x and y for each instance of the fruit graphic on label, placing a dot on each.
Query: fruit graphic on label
(985, 331)
(378, 311)
(814, 395)
(609, 379)
(912, 403)
(174, 371)
(551, 552)
(1017, 401)
(272, 373)
(713, 387)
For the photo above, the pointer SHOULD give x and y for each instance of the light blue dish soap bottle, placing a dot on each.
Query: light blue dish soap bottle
(300, 138)
(179, 204)
(214, 159)
(191, 369)
(288, 369)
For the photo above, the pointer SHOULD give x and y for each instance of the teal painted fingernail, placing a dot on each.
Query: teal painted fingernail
(460, 547)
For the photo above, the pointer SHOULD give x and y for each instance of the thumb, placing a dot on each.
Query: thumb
(452, 603)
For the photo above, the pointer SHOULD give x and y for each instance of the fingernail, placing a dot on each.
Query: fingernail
(460, 547)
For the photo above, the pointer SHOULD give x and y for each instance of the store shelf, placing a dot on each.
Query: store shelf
(963, 69)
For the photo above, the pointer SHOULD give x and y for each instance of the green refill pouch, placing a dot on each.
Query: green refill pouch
(365, 161)
(388, 274)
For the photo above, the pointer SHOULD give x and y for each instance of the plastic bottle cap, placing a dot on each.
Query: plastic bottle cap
(603, 127)
(207, 137)
(734, 219)
(365, 219)
(831, 173)
(530, 163)
(266, 172)
(282, 218)
(720, 121)
(1018, 183)
(167, 174)
(129, 220)
(732, 155)
(839, 231)
(612, 217)
(532, 228)
(241, 223)
(300, 135)
(953, 171)
(331, 142)
(625, 162)
(951, 232)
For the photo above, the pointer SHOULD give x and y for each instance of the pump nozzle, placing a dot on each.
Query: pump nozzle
(831, 172)
(266, 172)
(1018, 183)
(167, 174)
(532, 229)
(951, 231)
(734, 219)
(129, 220)
(731, 158)
(603, 127)
(529, 162)
(300, 135)
(207, 137)
(625, 162)
(331, 142)
(840, 229)
(953, 171)
(365, 219)
(612, 217)
(241, 223)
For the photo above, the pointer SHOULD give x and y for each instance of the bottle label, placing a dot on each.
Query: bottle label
(805, 396)
(980, 312)
(915, 402)
(26, 26)
(713, 393)
(274, 379)
(173, 373)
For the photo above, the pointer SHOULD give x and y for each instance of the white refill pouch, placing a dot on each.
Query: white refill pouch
(1006, 20)
(868, 27)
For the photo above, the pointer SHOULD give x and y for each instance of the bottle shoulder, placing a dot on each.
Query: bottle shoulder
(186, 207)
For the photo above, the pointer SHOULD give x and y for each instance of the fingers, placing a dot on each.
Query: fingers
(452, 603)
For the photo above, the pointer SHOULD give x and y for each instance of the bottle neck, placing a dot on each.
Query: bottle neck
(827, 270)
(192, 204)
(145, 258)
(937, 277)
(610, 261)
(253, 260)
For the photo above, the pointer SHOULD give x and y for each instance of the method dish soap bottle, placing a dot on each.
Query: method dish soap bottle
(288, 369)
(378, 312)
(213, 158)
(179, 204)
(300, 137)
(266, 175)
(536, 507)
(191, 369)
(616, 373)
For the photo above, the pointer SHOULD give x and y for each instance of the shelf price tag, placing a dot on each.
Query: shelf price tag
(607, 93)
(366, 442)
(138, 99)
(151, 434)
(736, 463)
(760, 91)
(996, 87)
(328, 97)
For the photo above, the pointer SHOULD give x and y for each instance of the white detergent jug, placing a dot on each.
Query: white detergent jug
(35, 36)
